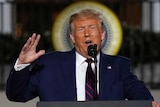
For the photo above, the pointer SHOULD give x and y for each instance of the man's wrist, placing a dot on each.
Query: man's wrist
(19, 67)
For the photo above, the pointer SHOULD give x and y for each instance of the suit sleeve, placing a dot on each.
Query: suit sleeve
(18, 87)
(134, 88)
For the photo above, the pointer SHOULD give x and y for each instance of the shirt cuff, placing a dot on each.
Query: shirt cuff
(19, 67)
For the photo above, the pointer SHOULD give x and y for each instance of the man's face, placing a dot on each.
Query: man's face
(86, 32)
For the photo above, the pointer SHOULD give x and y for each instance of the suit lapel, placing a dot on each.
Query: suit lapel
(69, 74)
(106, 76)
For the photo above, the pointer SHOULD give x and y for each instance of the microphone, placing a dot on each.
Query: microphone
(92, 50)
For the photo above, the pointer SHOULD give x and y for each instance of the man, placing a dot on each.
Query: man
(60, 76)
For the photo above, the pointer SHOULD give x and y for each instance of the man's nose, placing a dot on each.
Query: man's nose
(86, 32)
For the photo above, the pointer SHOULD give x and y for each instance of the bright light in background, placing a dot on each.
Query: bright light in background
(151, 16)
(156, 16)
(5, 17)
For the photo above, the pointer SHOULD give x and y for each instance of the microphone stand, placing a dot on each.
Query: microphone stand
(92, 51)
(95, 92)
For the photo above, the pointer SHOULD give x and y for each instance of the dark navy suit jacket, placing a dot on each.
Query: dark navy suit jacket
(52, 78)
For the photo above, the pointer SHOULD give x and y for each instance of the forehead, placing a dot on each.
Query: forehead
(85, 21)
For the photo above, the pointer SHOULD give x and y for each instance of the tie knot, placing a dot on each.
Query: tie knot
(89, 60)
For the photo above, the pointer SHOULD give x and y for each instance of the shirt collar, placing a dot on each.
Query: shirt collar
(80, 59)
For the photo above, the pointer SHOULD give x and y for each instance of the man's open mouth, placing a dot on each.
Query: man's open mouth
(88, 42)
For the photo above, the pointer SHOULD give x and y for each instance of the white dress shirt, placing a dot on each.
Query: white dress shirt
(81, 67)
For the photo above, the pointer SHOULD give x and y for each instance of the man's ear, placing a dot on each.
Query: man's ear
(72, 38)
(103, 34)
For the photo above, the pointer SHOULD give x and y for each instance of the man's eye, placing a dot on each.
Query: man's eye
(80, 29)
(92, 27)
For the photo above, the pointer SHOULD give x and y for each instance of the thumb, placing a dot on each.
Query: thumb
(40, 53)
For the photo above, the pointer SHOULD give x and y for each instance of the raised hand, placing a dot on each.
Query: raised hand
(28, 53)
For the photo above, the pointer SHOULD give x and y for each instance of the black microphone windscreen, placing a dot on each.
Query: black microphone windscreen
(92, 50)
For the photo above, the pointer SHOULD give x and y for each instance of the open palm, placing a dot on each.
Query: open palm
(28, 53)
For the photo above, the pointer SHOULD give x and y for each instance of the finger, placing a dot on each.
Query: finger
(37, 40)
(155, 104)
(27, 44)
(33, 38)
(40, 53)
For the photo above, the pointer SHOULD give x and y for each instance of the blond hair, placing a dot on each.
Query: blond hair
(87, 13)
